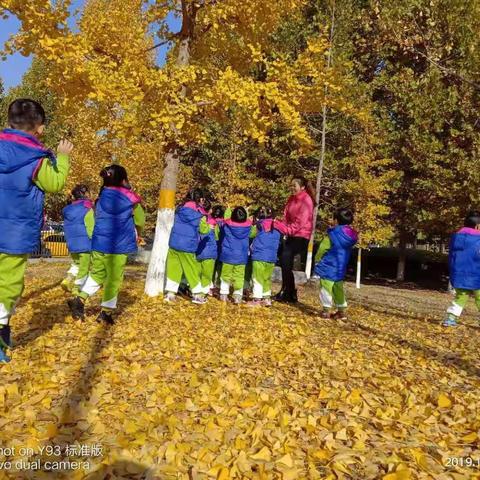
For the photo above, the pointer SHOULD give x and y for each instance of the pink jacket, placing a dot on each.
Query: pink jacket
(298, 216)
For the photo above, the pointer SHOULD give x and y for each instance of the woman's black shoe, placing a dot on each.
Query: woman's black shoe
(280, 296)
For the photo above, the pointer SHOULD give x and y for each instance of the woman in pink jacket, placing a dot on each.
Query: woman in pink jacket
(298, 227)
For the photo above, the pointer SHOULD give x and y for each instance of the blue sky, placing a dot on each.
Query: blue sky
(12, 70)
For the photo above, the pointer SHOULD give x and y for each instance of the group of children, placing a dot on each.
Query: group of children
(209, 246)
(213, 246)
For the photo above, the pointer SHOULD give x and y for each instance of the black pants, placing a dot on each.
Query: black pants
(292, 246)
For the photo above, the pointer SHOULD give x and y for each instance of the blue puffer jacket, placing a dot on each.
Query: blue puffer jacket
(235, 242)
(265, 245)
(208, 247)
(114, 230)
(21, 201)
(464, 259)
(185, 235)
(76, 234)
(333, 265)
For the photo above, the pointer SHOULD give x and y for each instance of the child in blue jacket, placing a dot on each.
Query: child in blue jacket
(464, 265)
(235, 233)
(264, 254)
(78, 223)
(190, 222)
(207, 252)
(119, 222)
(333, 255)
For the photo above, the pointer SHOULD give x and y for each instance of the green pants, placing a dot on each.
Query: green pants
(107, 271)
(262, 279)
(181, 264)
(12, 274)
(332, 294)
(461, 299)
(232, 275)
(207, 271)
(78, 273)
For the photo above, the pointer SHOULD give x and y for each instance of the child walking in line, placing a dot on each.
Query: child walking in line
(27, 171)
(78, 222)
(235, 233)
(119, 222)
(207, 252)
(464, 265)
(264, 254)
(190, 222)
(333, 256)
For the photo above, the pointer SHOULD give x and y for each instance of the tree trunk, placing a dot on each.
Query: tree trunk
(402, 258)
(155, 282)
(166, 211)
(308, 265)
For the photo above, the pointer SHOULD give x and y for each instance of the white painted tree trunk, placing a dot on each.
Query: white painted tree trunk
(156, 268)
(359, 267)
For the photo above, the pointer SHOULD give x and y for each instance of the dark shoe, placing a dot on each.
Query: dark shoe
(106, 317)
(5, 339)
(340, 315)
(290, 297)
(77, 307)
(325, 314)
(279, 296)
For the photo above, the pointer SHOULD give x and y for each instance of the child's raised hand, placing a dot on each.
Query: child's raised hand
(65, 147)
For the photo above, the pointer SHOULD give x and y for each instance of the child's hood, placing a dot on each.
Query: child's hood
(240, 230)
(190, 212)
(345, 235)
(116, 200)
(70, 213)
(18, 149)
(265, 225)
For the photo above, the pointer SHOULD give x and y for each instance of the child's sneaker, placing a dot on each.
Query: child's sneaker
(199, 299)
(256, 302)
(5, 339)
(339, 315)
(223, 297)
(4, 358)
(5, 343)
(450, 321)
(237, 299)
(267, 302)
(106, 317)
(170, 298)
(77, 307)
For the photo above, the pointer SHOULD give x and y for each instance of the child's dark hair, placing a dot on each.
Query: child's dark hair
(344, 216)
(264, 212)
(206, 204)
(218, 211)
(80, 192)
(114, 176)
(239, 215)
(472, 219)
(196, 195)
(25, 114)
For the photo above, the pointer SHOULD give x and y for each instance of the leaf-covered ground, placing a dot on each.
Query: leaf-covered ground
(221, 391)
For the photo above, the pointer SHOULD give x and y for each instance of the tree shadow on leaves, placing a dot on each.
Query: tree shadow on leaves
(448, 359)
(45, 316)
(39, 291)
(121, 469)
(69, 429)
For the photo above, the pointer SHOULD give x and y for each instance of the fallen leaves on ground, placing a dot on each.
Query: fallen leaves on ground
(220, 391)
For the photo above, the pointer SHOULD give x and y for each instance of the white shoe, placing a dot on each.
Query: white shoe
(170, 298)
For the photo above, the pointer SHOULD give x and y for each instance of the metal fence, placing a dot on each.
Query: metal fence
(52, 242)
